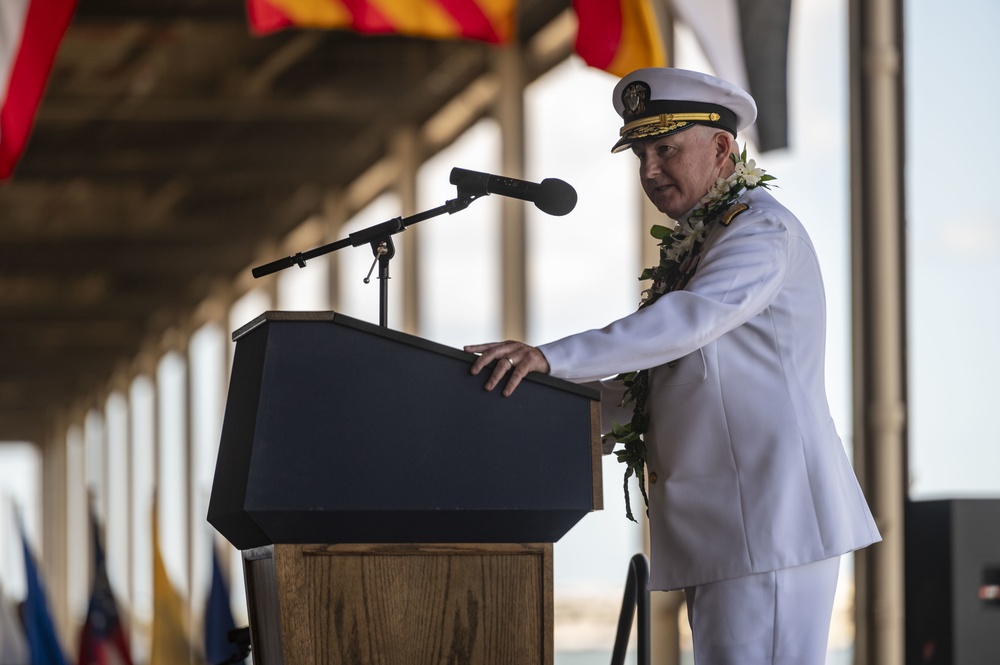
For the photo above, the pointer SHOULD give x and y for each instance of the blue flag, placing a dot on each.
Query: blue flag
(38, 628)
(218, 617)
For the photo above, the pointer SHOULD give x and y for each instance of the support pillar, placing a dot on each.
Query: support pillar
(510, 113)
(879, 334)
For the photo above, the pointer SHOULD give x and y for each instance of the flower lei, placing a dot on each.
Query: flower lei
(680, 249)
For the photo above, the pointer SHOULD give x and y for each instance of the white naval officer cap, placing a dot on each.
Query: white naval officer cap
(657, 101)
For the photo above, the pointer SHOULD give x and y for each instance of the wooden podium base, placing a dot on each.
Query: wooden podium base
(400, 604)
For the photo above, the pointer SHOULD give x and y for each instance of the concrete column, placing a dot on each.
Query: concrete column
(193, 524)
(76, 532)
(130, 445)
(406, 149)
(335, 215)
(509, 64)
(55, 542)
(879, 336)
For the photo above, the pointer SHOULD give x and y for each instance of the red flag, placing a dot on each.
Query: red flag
(102, 639)
(484, 20)
(618, 36)
(30, 32)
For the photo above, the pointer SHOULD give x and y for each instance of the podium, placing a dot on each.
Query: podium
(389, 509)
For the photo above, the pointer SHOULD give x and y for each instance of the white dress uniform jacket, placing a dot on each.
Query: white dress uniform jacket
(746, 471)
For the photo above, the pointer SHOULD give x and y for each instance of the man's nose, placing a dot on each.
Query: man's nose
(650, 166)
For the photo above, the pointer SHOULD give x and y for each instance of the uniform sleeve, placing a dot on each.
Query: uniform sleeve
(739, 275)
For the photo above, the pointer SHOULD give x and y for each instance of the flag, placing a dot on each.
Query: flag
(218, 617)
(13, 644)
(171, 645)
(102, 639)
(618, 36)
(38, 627)
(484, 20)
(746, 42)
(30, 32)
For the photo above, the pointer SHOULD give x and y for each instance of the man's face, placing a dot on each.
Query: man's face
(678, 169)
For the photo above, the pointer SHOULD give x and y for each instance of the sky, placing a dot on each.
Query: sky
(954, 248)
(582, 267)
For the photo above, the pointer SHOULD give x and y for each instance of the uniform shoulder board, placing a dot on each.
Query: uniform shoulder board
(732, 212)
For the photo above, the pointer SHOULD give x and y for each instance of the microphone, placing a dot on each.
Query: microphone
(552, 196)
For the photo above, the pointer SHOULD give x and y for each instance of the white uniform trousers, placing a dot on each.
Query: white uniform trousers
(776, 618)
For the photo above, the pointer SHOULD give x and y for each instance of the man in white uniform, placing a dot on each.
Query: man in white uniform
(752, 499)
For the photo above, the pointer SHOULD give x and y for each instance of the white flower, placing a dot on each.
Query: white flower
(716, 192)
(688, 234)
(689, 226)
(749, 173)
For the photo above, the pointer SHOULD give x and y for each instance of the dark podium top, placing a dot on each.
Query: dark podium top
(339, 431)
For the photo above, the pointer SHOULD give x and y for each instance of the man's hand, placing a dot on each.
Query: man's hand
(516, 358)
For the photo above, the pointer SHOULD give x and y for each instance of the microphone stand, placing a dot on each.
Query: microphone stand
(379, 237)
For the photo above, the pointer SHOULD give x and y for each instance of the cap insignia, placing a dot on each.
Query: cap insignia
(634, 98)
(664, 122)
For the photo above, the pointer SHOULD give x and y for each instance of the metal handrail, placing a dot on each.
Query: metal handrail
(636, 597)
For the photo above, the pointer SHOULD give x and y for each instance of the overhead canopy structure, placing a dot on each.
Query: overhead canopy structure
(170, 148)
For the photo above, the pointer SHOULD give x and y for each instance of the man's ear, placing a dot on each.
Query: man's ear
(724, 146)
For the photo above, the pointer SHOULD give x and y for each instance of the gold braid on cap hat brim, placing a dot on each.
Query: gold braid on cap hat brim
(664, 122)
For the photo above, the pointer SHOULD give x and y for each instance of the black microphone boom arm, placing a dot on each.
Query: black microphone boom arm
(552, 196)
(379, 237)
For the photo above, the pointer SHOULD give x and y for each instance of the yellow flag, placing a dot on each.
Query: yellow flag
(171, 645)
